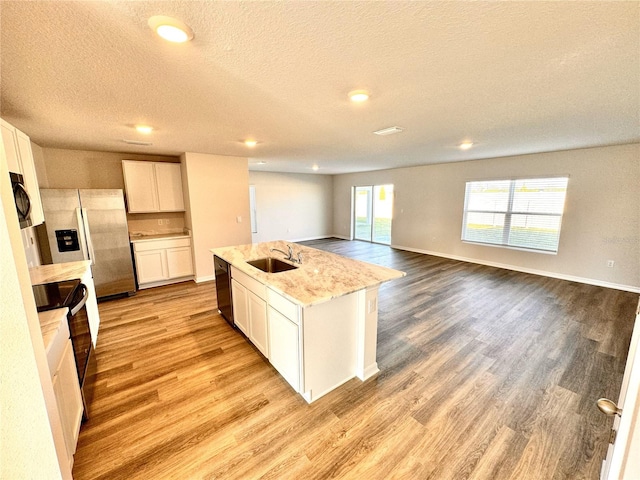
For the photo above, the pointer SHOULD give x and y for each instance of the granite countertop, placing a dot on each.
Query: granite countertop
(321, 277)
(59, 272)
(142, 237)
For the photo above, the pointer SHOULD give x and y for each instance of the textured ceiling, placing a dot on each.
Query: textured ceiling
(514, 77)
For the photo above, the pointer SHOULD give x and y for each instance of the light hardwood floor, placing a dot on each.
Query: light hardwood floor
(485, 374)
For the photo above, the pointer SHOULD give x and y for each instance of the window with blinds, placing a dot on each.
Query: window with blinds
(522, 213)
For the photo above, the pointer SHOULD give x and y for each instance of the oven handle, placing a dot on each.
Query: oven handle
(82, 302)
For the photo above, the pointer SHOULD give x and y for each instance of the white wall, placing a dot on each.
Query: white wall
(217, 193)
(31, 441)
(601, 220)
(292, 206)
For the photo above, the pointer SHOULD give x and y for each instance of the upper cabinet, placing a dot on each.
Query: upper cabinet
(153, 186)
(17, 147)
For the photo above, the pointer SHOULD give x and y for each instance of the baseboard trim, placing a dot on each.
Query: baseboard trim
(543, 273)
(306, 239)
(208, 278)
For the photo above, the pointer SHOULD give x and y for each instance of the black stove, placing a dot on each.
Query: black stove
(72, 294)
(50, 296)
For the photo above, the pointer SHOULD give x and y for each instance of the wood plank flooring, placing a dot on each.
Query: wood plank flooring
(485, 374)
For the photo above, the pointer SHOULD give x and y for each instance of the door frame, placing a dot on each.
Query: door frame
(352, 235)
(620, 463)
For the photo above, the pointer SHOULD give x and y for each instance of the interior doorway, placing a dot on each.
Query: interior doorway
(373, 212)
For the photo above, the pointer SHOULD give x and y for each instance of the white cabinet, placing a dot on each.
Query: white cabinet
(258, 323)
(240, 308)
(169, 182)
(17, 146)
(153, 186)
(30, 178)
(10, 142)
(250, 309)
(150, 266)
(284, 347)
(162, 261)
(68, 398)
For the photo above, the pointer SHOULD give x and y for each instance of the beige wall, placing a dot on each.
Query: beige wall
(218, 193)
(86, 169)
(292, 206)
(601, 220)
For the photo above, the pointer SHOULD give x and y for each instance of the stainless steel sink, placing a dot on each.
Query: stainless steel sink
(271, 265)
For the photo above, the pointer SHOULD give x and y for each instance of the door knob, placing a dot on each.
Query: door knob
(608, 407)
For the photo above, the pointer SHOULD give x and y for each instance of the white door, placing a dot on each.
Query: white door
(240, 308)
(169, 180)
(151, 266)
(179, 262)
(258, 318)
(623, 461)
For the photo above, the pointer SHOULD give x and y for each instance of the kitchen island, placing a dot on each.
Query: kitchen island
(316, 323)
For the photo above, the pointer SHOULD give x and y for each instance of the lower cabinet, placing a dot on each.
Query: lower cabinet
(159, 262)
(68, 398)
(284, 347)
(250, 311)
(240, 308)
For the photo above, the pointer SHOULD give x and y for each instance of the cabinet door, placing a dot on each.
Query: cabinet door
(240, 309)
(30, 177)
(10, 142)
(67, 392)
(169, 181)
(179, 262)
(258, 323)
(284, 347)
(150, 266)
(140, 185)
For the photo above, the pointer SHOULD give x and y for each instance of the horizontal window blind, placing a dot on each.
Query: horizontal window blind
(523, 213)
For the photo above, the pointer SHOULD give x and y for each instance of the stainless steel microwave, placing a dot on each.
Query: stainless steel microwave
(21, 197)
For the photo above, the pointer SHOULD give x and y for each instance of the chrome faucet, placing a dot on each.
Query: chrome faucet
(289, 256)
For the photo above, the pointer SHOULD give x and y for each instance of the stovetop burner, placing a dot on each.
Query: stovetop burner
(50, 296)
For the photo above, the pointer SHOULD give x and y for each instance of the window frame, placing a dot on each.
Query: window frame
(509, 213)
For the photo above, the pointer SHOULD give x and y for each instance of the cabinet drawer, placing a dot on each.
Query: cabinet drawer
(251, 284)
(161, 244)
(284, 306)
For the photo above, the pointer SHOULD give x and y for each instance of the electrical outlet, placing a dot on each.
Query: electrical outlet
(239, 219)
(610, 263)
(159, 221)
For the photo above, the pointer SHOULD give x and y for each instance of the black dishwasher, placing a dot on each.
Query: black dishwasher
(223, 288)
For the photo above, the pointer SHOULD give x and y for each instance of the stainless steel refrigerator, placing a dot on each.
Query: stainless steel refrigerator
(90, 225)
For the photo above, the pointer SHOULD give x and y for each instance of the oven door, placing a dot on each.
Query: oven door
(82, 346)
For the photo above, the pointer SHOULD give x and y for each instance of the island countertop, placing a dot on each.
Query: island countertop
(321, 276)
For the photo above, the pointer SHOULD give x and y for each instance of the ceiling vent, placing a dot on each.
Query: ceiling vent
(389, 131)
(137, 142)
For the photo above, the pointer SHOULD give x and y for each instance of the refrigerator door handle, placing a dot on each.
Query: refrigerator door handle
(81, 236)
(87, 232)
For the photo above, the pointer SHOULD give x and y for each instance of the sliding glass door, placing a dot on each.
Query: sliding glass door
(373, 212)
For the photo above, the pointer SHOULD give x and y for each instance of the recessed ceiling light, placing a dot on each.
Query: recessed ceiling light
(261, 162)
(250, 143)
(389, 131)
(465, 145)
(315, 168)
(146, 129)
(171, 29)
(359, 96)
